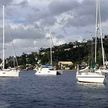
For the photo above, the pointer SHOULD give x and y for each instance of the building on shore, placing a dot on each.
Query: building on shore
(67, 65)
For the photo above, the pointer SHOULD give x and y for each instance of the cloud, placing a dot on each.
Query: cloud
(5, 2)
(28, 21)
(59, 6)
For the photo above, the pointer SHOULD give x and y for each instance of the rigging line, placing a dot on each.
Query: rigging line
(3, 37)
(51, 36)
(101, 35)
(96, 30)
(14, 51)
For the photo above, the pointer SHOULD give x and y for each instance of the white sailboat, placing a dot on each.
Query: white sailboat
(11, 72)
(89, 75)
(47, 69)
(103, 67)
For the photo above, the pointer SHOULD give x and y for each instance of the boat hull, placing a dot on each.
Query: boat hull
(104, 70)
(46, 73)
(9, 73)
(90, 78)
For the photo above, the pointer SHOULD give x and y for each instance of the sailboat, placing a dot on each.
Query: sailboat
(95, 75)
(47, 69)
(103, 67)
(11, 72)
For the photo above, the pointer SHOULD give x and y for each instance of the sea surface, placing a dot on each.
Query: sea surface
(62, 91)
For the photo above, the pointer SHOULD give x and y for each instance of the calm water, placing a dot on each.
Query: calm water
(30, 91)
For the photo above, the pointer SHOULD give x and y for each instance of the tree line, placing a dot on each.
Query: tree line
(76, 52)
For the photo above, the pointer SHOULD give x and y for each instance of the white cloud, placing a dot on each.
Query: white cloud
(28, 21)
(17, 1)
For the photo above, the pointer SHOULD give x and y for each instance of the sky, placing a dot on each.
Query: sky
(27, 23)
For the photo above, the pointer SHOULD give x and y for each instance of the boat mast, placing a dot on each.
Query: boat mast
(101, 35)
(98, 32)
(50, 49)
(3, 39)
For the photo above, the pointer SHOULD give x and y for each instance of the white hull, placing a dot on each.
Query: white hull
(85, 69)
(45, 71)
(104, 70)
(90, 77)
(9, 73)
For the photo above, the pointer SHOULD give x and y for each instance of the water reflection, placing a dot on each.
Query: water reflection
(91, 85)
